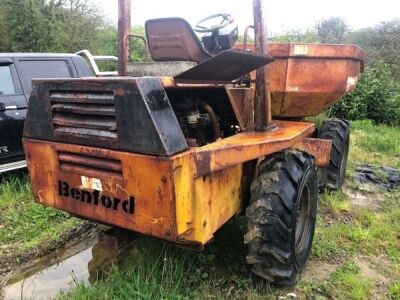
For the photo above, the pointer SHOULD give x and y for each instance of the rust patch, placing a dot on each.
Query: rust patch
(242, 101)
(203, 163)
(247, 146)
(320, 149)
(120, 92)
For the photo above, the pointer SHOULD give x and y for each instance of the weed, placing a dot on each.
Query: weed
(375, 144)
(366, 233)
(348, 284)
(335, 202)
(24, 223)
(394, 290)
(312, 290)
(153, 270)
(318, 120)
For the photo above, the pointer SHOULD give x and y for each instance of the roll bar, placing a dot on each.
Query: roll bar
(92, 61)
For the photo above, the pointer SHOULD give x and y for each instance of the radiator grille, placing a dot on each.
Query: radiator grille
(89, 165)
(84, 114)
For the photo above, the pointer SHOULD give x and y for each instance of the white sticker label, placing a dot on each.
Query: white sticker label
(300, 49)
(293, 89)
(91, 183)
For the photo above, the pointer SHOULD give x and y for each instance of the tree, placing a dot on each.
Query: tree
(382, 43)
(81, 20)
(377, 97)
(4, 40)
(138, 51)
(106, 42)
(296, 36)
(24, 26)
(331, 31)
(48, 25)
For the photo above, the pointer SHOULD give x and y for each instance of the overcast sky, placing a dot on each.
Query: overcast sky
(282, 15)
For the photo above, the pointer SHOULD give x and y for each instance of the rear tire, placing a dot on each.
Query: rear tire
(338, 131)
(281, 216)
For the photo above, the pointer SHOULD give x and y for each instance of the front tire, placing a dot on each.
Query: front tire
(281, 216)
(338, 131)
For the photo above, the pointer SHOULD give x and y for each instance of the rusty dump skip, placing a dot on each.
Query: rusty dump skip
(306, 79)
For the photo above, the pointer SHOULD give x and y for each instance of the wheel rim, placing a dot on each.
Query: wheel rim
(303, 224)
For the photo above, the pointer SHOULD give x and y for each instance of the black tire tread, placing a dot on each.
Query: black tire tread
(270, 224)
(338, 131)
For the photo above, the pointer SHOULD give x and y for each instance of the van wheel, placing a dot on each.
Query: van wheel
(281, 216)
(338, 131)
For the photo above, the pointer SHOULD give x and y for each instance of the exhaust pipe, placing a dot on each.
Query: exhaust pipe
(124, 29)
(262, 101)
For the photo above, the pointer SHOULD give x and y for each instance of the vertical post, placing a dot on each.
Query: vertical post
(124, 28)
(262, 101)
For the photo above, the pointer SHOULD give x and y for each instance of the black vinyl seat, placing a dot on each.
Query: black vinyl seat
(173, 39)
(178, 53)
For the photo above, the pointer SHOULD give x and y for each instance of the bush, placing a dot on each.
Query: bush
(377, 97)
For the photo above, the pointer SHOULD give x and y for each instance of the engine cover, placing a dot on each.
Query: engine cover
(127, 114)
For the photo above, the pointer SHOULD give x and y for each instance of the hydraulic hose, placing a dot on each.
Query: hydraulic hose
(213, 118)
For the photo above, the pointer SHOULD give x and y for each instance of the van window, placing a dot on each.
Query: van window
(43, 69)
(6, 82)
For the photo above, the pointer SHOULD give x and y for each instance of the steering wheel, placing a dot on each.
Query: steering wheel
(202, 28)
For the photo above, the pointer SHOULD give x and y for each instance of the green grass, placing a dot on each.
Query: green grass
(365, 232)
(335, 203)
(318, 120)
(394, 290)
(155, 271)
(347, 282)
(374, 144)
(158, 270)
(23, 223)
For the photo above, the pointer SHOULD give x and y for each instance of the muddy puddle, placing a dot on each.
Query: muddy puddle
(373, 183)
(83, 260)
(366, 195)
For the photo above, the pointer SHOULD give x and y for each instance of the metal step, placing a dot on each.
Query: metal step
(13, 166)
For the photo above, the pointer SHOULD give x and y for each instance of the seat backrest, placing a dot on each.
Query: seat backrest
(173, 39)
